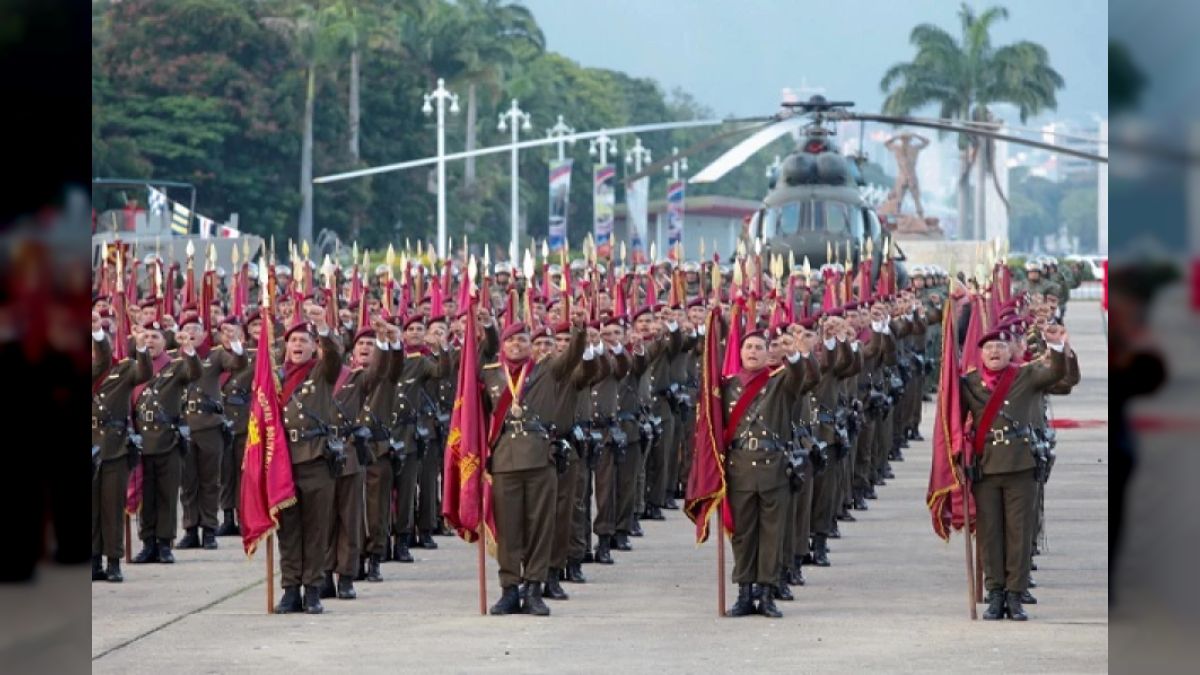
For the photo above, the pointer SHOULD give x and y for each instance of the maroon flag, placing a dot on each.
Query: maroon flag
(706, 481)
(467, 490)
(267, 485)
(945, 495)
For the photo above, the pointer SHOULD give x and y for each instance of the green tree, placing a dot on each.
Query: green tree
(963, 77)
(1078, 212)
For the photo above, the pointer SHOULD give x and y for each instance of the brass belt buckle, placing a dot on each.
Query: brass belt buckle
(294, 435)
(95, 423)
(192, 407)
(752, 444)
(998, 436)
(148, 417)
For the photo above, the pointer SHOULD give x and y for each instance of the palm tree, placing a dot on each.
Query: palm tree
(320, 33)
(963, 77)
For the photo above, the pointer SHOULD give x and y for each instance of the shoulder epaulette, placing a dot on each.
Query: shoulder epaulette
(488, 366)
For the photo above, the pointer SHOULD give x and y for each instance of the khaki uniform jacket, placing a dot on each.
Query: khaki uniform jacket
(543, 401)
(158, 409)
(236, 393)
(110, 405)
(312, 403)
(1023, 405)
(769, 420)
(207, 389)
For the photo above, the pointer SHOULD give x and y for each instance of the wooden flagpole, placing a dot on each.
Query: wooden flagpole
(978, 571)
(482, 571)
(972, 579)
(721, 559)
(270, 573)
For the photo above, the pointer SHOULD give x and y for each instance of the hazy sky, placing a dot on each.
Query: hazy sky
(736, 55)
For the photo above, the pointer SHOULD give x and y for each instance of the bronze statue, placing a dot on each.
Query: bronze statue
(906, 150)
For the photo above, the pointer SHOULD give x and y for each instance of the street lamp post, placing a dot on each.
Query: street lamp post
(559, 130)
(441, 95)
(602, 144)
(517, 118)
(675, 169)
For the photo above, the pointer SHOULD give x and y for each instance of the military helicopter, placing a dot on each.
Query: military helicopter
(814, 206)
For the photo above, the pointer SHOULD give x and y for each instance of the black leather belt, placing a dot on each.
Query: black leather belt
(527, 425)
(296, 435)
(825, 418)
(98, 423)
(1003, 436)
(756, 444)
(205, 406)
(237, 398)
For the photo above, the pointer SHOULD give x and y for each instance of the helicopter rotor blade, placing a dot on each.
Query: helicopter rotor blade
(738, 154)
(655, 167)
(974, 131)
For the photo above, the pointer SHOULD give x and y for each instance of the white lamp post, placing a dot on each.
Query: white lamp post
(602, 144)
(518, 118)
(674, 168)
(441, 95)
(559, 130)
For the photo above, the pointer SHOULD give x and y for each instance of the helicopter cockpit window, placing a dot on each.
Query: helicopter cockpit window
(834, 217)
(787, 218)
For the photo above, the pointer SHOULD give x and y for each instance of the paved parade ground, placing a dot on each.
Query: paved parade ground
(893, 601)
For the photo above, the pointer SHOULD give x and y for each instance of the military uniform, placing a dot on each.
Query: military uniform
(631, 462)
(835, 362)
(309, 417)
(236, 393)
(1005, 491)
(377, 413)
(205, 414)
(757, 480)
(158, 410)
(345, 535)
(112, 386)
(604, 409)
(524, 482)
(416, 433)
(655, 386)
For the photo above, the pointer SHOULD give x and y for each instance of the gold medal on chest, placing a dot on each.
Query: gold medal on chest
(517, 411)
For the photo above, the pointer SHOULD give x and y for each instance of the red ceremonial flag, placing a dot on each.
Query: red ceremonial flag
(706, 480)
(267, 485)
(466, 490)
(945, 495)
(733, 357)
(972, 358)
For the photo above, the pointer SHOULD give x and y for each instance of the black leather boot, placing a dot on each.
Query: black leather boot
(148, 554)
(97, 568)
(766, 602)
(575, 572)
(1027, 598)
(870, 492)
(860, 500)
(533, 600)
(834, 532)
(190, 539)
(845, 516)
(744, 606)
(588, 557)
(820, 553)
(916, 435)
(373, 574)
(113, 571)
(671, 505)
(554, 590)
(361, 574)
(509, 602)
(345, 588)
(604, 551)
(797, 575)
(782, 590)
(312, 600)
(636, 530)
(164, 551)
(888, 474)
(209, 539)
(229, 526)
(290, 602)
(427, 541)
(1032, 583)
(402, 553)
(1015, 611)
(995, 608)
(621, 542)
(327, 588)
(656, 513)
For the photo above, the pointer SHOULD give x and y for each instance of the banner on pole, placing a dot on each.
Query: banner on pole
(206, 226)
(637, 198)
(181, 218)
(560, 192)
(604, 200)
(674, 216)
